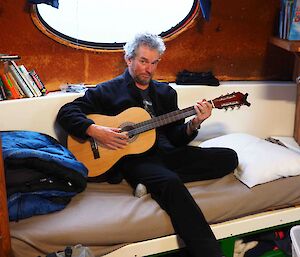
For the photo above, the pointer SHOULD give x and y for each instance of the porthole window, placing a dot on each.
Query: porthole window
(108, 24)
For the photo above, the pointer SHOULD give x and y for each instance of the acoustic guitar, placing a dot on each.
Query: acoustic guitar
(141, 131)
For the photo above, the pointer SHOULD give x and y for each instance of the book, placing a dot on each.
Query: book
(15, 84)
(7, 57)
(35, 77)
(294, 31)
(2, 90)
(22, 76)
(13, 93)
(285, 18)
(22, 84)
(30, 81)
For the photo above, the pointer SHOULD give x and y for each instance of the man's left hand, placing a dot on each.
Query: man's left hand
(203, 111)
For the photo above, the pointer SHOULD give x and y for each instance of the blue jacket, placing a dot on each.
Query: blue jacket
(41, 174)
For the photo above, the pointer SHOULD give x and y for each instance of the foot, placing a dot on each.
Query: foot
(140, 190)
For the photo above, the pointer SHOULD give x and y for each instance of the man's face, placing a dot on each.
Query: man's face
(143, 65)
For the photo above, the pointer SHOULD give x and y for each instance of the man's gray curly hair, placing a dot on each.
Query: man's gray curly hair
(147, 39)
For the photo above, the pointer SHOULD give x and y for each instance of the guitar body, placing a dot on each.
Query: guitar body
(107, 158)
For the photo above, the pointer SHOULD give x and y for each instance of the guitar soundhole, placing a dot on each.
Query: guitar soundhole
(129, 127)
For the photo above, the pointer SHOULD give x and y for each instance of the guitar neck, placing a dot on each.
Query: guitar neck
(222, 102)
(162, 120)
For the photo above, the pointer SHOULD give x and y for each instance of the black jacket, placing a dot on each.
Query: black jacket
(113, 97)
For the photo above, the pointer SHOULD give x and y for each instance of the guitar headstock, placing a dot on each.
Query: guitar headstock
(231, 100)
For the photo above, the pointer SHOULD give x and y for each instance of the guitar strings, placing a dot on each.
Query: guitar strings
(161, 120)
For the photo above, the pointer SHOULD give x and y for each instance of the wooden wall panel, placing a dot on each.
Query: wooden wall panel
(5, 244)
(234, 44)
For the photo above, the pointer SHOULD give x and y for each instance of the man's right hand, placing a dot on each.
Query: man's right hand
(111, 138)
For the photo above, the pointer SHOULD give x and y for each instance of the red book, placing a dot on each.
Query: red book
(9, 86)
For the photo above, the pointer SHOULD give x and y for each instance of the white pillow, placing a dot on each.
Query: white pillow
(259, 160)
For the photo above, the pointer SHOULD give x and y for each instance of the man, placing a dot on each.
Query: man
(170, 163)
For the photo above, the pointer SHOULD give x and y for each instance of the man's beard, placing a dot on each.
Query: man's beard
(142, 81)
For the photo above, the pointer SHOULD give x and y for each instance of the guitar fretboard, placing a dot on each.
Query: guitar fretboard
(161, 120)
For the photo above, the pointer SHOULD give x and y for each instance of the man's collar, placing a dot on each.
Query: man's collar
(128, 78)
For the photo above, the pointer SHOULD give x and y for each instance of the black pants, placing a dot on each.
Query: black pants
(164, 175)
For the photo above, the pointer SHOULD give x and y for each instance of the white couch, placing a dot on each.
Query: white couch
(271, 113)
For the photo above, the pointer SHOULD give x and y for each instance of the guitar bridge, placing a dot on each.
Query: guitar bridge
(94, 147)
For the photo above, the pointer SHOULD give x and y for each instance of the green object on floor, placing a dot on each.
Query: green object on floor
(227, 246)
(277, 253)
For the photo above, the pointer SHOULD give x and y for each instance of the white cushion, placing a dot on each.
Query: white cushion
(259, 160)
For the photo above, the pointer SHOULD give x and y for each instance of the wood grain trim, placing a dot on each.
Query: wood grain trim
(34, 16)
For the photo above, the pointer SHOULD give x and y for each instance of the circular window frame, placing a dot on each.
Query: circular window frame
(172, 33)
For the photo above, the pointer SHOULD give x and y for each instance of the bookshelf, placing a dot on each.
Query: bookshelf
(17, 82)
(293, 47)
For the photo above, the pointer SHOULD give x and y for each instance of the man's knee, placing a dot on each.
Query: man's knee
(231, 159)
(173, 181)
(234, 159)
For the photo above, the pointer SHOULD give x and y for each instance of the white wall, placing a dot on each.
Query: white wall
(271, 112)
